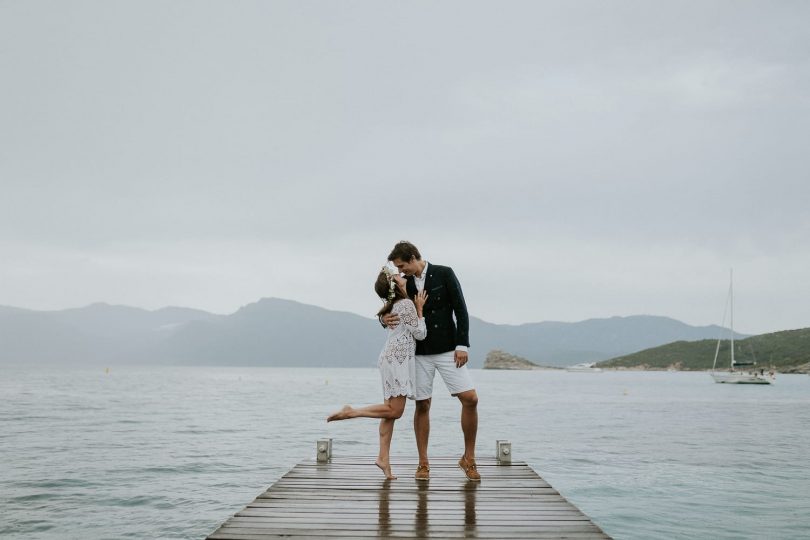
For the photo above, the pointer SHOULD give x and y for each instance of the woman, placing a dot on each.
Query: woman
(396, 363)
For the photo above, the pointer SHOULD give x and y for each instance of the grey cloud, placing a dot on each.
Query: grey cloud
(633, 126)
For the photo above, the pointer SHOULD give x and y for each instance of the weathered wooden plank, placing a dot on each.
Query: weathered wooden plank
(437, 508)
(338, 517)
(357, 519)
(408, 484)
(332, 522)
(402, 473)
(272, 512)
(410, 527)
(411, 523)
(287, 533)
(434, 495)
(348, 498)
(244, 533)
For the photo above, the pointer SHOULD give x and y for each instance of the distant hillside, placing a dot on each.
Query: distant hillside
(785, 351)
(98, 333)
(276, 332)
(565, 344)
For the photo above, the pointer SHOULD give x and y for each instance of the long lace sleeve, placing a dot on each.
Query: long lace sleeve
(411, 320)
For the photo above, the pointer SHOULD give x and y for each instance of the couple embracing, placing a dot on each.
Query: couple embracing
(420, 303)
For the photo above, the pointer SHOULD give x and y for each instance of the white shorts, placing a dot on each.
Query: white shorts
(457, 380)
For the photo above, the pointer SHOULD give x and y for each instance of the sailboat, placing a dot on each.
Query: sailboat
(586, 367)
(739, 372)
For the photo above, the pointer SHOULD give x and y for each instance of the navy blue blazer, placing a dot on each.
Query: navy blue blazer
(445, 300)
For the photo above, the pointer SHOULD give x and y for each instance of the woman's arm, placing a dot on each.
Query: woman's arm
(412, 318)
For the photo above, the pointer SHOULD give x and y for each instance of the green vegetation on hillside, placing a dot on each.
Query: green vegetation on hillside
(781, 350)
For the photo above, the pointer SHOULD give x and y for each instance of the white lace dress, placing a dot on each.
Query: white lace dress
(397, 360)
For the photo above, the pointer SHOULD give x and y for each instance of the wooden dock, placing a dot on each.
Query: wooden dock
(348, 497)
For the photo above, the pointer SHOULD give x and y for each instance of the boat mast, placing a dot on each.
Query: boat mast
(731, 296)
(722, 325)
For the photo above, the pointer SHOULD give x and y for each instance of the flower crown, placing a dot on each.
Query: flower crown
(392, 285)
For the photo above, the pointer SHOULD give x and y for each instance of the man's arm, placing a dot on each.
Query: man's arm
(462, 318)
(389, 320)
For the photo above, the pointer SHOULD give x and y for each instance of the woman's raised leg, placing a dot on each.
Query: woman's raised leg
(391, 410)
(388, 413)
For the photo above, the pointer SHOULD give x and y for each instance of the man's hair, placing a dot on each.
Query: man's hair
(404, 251)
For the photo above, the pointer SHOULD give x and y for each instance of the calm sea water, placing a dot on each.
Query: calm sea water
(173, 452)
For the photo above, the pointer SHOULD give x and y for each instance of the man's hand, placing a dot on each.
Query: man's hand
(460, 357)
(390, 320)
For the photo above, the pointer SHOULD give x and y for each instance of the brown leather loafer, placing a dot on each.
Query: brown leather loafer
(422, 472)
(469, 468)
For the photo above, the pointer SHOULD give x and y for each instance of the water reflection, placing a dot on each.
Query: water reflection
(469, 505)
(421, 522)
(421, 516)
(384, 510)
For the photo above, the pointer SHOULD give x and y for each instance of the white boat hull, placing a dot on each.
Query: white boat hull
(736, 377)
(584, 368)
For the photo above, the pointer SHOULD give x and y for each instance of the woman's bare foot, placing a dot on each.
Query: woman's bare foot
(342, 414)
(386, 469)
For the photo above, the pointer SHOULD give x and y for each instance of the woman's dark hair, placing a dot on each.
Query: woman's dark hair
(404, 251)
(382, 287)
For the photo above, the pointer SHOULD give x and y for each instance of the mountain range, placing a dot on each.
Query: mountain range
(277, 332)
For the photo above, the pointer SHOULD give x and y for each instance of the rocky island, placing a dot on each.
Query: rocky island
(497, 359)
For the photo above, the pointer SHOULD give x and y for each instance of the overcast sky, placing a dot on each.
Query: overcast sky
(570, 160)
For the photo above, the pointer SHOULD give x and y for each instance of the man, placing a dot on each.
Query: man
(443, 350)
